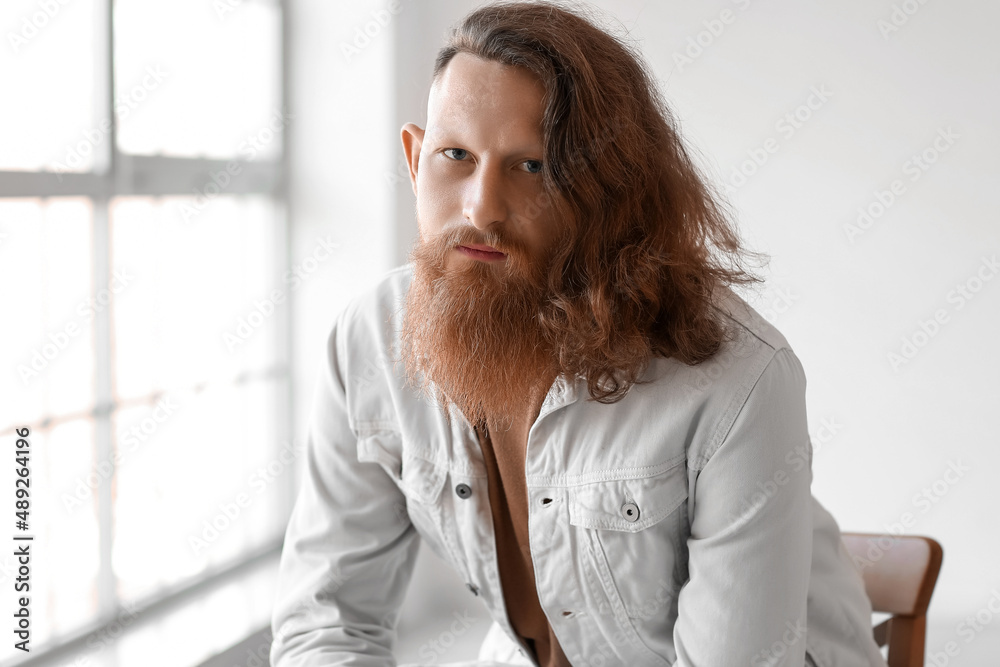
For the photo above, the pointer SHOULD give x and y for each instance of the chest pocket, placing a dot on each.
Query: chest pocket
(419, 480)
(635, 529)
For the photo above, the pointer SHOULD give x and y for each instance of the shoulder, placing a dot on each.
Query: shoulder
(387, 292)
(743, 317)
(365, 333)
(759, 341)
(749, 344)
(764, 375)
(754, 364)
(376, 309)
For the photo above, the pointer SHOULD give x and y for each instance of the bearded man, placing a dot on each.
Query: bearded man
(562, 395)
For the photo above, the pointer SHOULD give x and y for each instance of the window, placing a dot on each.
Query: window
(143, 238)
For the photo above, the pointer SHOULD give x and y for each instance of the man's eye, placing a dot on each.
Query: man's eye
(456, 153)
(532, 166)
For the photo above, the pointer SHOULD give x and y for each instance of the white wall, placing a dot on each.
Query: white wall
(844, 302)
(342, 145)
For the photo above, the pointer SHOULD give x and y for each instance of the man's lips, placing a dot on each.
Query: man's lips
(481, 252)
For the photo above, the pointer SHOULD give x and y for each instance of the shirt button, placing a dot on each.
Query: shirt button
(463, 490)
(630, 511)
(473, 588)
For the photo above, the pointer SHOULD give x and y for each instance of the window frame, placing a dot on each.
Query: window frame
(158, 176)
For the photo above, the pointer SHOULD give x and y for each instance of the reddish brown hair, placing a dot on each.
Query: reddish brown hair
(650, 243)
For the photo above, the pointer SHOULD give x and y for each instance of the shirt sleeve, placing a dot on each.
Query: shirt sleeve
(750, 546)
(349, 551)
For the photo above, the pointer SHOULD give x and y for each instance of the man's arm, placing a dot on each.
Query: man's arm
(349, 552)
(750, 549)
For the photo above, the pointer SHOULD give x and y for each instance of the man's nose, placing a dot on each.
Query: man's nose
(485, 197)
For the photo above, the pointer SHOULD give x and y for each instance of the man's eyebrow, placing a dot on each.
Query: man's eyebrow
(444, 136)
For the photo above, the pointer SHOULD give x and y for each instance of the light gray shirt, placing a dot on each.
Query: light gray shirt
(674, 527)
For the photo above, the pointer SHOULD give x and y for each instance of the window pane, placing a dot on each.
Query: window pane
(196, 78)
(204, 469)
(49, 116)
(45, 292)
(195, 358)
(199, 304)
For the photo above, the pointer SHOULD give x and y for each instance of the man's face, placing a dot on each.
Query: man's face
(487, 234)
(476, 169)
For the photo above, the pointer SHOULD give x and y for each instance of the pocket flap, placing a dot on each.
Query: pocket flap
(628, 504)
(417, 478)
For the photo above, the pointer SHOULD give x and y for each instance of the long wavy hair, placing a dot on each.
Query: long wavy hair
(650, 241)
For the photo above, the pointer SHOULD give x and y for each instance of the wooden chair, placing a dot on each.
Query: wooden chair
(899, 572)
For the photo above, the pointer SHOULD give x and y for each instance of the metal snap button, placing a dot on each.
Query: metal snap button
(463, 490)
(630, 511)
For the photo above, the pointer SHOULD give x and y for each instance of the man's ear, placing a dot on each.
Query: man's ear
(413, 138)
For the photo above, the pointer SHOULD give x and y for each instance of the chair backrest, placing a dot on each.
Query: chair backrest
(899, 572)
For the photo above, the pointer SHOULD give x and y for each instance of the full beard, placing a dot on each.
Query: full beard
(471, 329)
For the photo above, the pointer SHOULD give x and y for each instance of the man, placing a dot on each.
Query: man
(562, 396)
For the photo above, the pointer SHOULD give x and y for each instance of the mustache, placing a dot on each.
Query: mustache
(465, 234)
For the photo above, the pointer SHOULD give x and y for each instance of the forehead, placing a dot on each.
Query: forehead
(476, 95)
